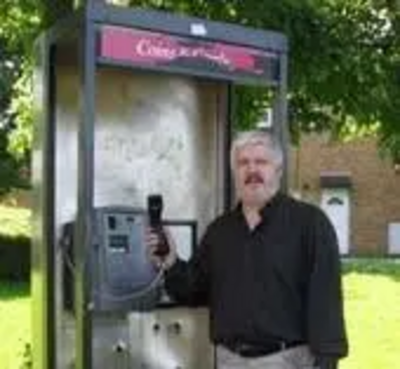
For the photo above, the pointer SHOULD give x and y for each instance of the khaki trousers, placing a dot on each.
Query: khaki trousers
(294, 358)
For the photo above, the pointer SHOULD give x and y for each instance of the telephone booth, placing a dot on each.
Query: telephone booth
(129, 103)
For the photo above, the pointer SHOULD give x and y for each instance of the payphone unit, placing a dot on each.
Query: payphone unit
(122, 276)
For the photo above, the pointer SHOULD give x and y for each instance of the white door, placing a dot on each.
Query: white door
(394, 238)
(336, 204)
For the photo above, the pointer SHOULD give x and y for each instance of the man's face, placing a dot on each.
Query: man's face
(257, 174)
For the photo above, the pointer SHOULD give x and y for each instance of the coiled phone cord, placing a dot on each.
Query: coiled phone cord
(147, 289)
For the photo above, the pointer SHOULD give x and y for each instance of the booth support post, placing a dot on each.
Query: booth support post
(43, 250)
(85, 186)
(280, 115)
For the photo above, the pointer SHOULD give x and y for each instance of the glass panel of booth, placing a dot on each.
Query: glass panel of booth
(184, 235)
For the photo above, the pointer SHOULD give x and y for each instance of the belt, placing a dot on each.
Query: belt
(253, 351)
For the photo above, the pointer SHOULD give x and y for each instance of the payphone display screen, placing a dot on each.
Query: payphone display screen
(118, 243)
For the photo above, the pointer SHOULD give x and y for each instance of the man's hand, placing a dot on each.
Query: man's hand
(152, 241)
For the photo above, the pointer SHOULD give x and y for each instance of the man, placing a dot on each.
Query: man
(269, 271)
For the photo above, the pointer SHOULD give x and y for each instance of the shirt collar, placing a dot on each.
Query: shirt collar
(268, 207)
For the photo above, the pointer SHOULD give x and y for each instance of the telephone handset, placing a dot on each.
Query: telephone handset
(155, 208)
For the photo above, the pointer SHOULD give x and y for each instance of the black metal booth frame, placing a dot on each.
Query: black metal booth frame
(207, 49)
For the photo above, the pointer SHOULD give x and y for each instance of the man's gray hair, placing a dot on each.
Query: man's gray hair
(258, 137)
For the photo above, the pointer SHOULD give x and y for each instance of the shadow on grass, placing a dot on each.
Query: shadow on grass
(13, 290)
(388, 267)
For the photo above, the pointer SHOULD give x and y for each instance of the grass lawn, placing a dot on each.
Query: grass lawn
(372, 291)
(15, 221)
(14, 324)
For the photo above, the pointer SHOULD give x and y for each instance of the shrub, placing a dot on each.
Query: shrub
(15, 251)
(15, 258)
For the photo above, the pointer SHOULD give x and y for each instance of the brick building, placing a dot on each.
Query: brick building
(358, 189)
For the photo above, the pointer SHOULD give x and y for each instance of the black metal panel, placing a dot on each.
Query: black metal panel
(257, 62)
(43, 253)
(279, 119)
(188, 26)
(85, 185)
(49, 215)
(228, 180)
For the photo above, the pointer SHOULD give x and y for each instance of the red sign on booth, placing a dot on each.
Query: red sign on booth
(145, 48)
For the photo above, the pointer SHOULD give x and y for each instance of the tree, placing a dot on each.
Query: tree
(344, 59)
(52, 10)
(18, 20)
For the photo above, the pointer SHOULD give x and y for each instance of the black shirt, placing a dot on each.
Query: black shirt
(280, 280)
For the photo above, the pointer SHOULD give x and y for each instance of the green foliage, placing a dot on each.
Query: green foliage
(51, 10)
(19, 21)
(250, 106)
(373, 266)
(20, 138)
(11, 168)
(343, 66)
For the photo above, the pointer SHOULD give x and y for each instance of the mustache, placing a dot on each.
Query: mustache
(253, 178)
